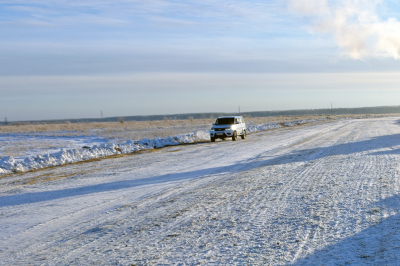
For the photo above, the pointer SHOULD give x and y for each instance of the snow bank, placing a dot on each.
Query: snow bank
(10, 165)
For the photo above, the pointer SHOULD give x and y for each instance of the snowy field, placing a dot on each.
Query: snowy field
(322, 193)
(37, 150)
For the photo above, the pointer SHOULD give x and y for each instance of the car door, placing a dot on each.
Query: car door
(243, 125)
(239, 126)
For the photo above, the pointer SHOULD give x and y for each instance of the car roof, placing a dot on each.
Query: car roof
(229, 116)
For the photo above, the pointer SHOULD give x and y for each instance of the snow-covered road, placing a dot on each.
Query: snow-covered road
(324, 193)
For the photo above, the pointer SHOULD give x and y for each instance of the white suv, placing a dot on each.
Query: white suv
(228, 126)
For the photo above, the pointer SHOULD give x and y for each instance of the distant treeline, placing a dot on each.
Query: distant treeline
(334, 111)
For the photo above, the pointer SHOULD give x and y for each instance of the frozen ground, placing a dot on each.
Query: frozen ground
(314, 194)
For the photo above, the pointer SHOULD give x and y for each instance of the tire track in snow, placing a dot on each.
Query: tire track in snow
(232, 191)
(367, 171)
(315, 173)
(275, 208)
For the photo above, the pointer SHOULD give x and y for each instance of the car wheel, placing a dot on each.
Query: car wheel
(234, 136)
(244, 134)
(212, 139)
(223, 138)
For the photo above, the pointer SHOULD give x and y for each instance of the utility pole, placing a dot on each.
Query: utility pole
(101, 114)
(5, 120)
(239, 109)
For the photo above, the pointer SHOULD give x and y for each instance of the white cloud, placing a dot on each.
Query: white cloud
(309, 7)
(355, 25)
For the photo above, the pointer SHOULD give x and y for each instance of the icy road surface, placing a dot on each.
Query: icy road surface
(315, 194)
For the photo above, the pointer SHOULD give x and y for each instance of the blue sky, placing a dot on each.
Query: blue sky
(72, 59)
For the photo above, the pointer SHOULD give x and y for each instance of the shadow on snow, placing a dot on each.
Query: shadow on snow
(379, 244)
(298, 156)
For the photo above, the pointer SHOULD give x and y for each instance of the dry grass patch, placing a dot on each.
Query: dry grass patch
(114, 130)
(135, 130)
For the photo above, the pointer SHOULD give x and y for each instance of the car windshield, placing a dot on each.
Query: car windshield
(225, 121)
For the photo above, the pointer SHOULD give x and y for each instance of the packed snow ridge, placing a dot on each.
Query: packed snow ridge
(10, 165)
